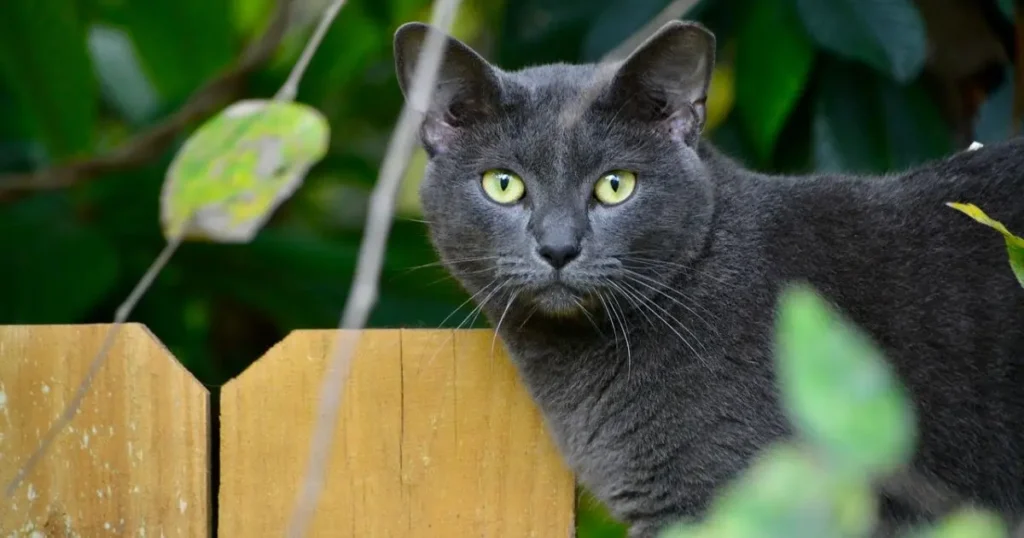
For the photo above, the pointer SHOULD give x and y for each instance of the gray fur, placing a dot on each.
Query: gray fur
(650, 354)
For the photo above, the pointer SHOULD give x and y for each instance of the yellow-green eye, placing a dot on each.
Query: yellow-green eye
(615, 187)
(503, 186)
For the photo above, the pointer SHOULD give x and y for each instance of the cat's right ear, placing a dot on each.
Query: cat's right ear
(466, 89)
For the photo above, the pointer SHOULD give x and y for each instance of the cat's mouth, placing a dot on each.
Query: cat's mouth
(558, 298)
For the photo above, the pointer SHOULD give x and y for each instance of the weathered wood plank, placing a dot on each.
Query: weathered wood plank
(436, 438)
(133, 462)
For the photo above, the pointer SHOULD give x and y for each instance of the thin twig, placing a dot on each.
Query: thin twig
(120, 316)
(153, 142)
(671, 12)
(291, 86)
(363, 293)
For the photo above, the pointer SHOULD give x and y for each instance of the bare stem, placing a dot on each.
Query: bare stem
(291, 85)
(363, 294)
(122, 313)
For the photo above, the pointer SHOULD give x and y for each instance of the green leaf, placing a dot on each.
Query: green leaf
(234, 171)
(1014, 244)
(838, 389)
(593, 519)
(866, 123)
(43, 59)
(770, 79)
(1006, 7)
(994, 121)
(846, 125)
(124, 85)
(968, 523)
(787, 493)
(180, 43)
(915, 129)
(54, 270)
(888, 35)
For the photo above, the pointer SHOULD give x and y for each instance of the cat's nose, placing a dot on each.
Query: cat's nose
(559, 254)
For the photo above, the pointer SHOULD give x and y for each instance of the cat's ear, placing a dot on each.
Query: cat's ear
(466, 89)
(666, 79)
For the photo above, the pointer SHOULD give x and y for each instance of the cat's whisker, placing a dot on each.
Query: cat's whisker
(454, 261)
(677, 299)
(650, 305)
(613, 314)
(529, 315)
(497, 327)
(587, 314)
(665, 263)
(452, 333)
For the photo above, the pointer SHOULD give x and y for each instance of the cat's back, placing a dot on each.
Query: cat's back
(931, 286)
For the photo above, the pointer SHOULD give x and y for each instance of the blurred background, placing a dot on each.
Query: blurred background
(92, 93)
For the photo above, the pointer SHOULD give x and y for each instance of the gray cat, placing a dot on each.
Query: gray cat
(632, 271)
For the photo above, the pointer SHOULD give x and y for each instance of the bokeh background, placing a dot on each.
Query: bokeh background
(801, 85)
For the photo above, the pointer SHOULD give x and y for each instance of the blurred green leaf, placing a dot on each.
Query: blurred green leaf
(839, 390)
(770, 79)
(994, 121)
(786, 493)
(43, 59)
(122, 81)
(867, 123)
(54, 270)
(966, 523)
(1014, 244)
(232, 173)
(888, 35)
(846, 126)
(1006, 7)
(181, 43)
(593, 519)
(915, 130)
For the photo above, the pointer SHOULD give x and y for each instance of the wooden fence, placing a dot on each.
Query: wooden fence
(436, 439)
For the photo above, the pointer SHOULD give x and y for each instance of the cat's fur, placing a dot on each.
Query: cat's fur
(656, 406)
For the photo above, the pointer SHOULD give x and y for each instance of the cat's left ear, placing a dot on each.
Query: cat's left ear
(666, 80)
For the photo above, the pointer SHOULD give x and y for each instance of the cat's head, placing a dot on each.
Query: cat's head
(562, 186)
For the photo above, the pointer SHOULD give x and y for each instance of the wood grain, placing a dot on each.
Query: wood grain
(133, 462)
(436, 439)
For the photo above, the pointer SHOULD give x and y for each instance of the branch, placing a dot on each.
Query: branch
(152, 143)
(363, 293)
(673, 11)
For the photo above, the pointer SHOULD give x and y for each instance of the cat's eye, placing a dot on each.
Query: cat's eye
(615, 187)
(503, 186)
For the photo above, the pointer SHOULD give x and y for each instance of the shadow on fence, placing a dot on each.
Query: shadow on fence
(436, 438)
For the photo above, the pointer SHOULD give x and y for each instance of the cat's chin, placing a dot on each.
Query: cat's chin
(559, 301)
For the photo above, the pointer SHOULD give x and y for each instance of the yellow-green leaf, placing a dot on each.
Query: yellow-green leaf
(232, 173)
(1014, 244)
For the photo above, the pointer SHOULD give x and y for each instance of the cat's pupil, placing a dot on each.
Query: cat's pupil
(503, 182)
(613, 181)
